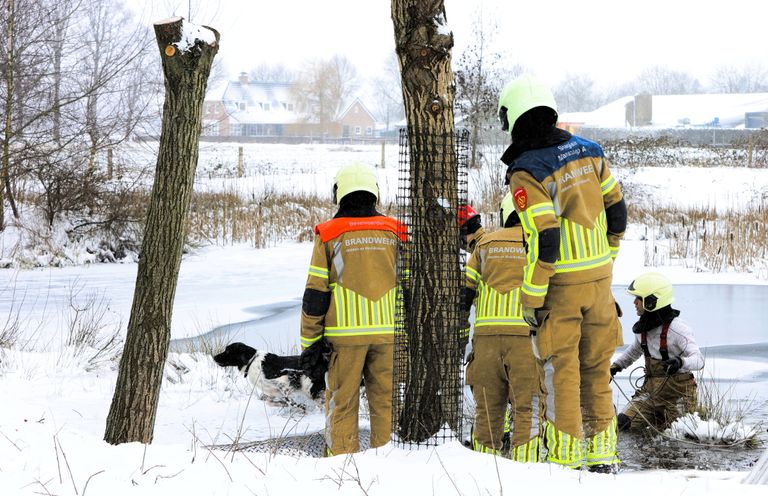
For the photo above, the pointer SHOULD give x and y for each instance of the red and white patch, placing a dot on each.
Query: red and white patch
(521, 198)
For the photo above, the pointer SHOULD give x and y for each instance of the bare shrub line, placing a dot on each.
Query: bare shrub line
(705, 238)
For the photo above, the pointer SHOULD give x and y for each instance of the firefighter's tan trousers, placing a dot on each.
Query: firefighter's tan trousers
(576, 342)
(503, 370)
(347, 366)
(661, 399)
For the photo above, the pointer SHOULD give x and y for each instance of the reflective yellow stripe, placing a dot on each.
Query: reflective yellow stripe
(601, 448)
(581, 251)
(526, 453)
(588, 263)
(473, 275)
(356, 314)
(478, 446)
(534, 289)
(359, 331)
(307, 342)
(562, 448)
(608, 185)
(582, 248)
(489, 321)
(318, 272)
(540, 209)
(495, 308)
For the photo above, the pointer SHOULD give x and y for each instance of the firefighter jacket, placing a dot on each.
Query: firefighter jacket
(679, 343)
(572, 211)
(494, 275)
(351, 287)
(478, 236)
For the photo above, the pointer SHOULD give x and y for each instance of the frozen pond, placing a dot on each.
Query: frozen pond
(728, 320)
(722, 316)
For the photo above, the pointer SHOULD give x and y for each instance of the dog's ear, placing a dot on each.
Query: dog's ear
(244, 352)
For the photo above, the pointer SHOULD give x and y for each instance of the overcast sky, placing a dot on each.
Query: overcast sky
(612, 40)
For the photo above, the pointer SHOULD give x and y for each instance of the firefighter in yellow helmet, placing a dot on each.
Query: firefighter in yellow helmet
(349, 300)
(573, 214)
(502, 369)
(671, 354)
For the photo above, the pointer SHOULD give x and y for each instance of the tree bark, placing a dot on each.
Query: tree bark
(6, 188)
(424, 51)
(132, 414)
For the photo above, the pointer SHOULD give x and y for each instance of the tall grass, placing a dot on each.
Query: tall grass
(260, 219)
(90, 333)
(705, 239)
(724, 415)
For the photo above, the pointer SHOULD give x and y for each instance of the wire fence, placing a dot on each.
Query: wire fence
(428, 372)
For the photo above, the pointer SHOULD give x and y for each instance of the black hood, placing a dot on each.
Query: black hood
(357, 204)
(651, 320)
(552, 137)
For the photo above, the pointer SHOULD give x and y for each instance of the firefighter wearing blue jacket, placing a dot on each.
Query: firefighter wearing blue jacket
(573, 214)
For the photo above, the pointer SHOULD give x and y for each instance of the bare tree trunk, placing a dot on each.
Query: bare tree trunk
(424, 51)
(134, 405)
(6, 190)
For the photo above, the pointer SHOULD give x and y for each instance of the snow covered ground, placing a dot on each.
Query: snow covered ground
(53, 414)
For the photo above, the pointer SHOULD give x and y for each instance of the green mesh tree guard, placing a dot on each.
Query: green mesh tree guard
(428, 371)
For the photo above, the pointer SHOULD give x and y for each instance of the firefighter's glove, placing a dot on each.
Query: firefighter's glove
(618, 308)
(530, 315)
(615, 369)
(672, 365)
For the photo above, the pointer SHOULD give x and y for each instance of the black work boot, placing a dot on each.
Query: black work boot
(623, 422)
(604, 468)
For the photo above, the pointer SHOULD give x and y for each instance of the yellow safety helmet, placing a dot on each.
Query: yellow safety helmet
(654, 289)
(354, 177)
(520, 96)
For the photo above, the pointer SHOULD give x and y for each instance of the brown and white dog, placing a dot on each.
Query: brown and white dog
(292, 380)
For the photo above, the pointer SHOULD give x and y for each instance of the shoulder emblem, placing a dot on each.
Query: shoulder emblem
(521, 198)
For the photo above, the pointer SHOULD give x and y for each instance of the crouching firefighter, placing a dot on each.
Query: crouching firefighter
(671, 354)
(349, 300)
(502, 369)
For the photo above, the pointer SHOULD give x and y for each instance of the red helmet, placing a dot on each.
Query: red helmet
(466, 212)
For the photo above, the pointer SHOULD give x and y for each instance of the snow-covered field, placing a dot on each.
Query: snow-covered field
(53, 414)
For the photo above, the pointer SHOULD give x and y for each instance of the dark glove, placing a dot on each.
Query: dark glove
(672, 365)
(618, 309)
(615, 369)
(316, 356)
